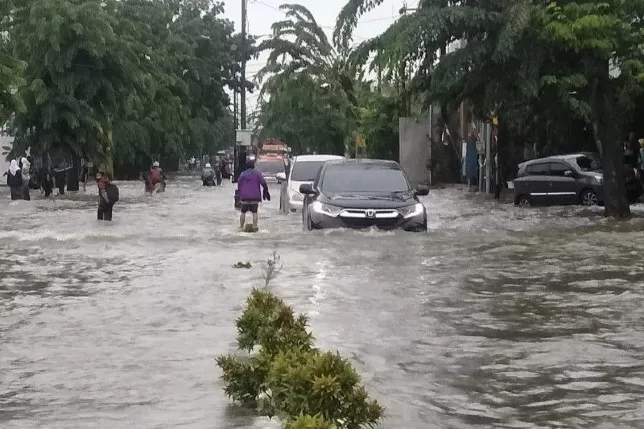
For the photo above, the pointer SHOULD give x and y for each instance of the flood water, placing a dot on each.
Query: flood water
(497, 317)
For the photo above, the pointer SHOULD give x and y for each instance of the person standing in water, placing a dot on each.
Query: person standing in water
(155, 176)
(14, 181)
(26, 177)
(250, 185)
(105, 206)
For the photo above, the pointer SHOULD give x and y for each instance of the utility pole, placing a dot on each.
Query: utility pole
(240, 151)
(235, 112)
(243, 66)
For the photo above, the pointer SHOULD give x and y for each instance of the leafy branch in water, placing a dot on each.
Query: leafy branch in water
(285, 376)
(271, 268)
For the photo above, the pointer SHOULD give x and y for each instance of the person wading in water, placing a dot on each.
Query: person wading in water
(14, 181)
(250, 194)
(105, 204)
(155, 177)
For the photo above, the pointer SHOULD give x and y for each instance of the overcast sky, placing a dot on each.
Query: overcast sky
(263, 13)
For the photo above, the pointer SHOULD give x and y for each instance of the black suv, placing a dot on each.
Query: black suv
(566, 179)
(361, 194)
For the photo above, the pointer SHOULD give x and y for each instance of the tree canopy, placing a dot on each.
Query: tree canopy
(119, 81)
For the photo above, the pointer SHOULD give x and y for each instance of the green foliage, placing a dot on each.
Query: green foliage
(309, 422)
(123, 81)
(307, 116)
(309, 90)
(288, 377)
(322, 384)
(11, 68)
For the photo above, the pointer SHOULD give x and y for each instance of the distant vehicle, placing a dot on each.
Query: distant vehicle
(270, 166)
(362, 193)
(567, 179)
(274, 147)
(303, 169)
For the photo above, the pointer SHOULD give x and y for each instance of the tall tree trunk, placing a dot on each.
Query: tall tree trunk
(498, 176)
(72, 175)
(606, 125)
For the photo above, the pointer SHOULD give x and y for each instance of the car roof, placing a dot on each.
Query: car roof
(269, 158)
(363, 161)
(565, 157)
(303, 158)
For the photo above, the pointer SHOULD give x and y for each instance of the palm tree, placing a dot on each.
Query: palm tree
(300, 46)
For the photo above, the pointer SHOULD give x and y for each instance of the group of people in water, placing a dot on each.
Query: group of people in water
(251, 186)
(18, 178)
(108, 193)
(213, 176)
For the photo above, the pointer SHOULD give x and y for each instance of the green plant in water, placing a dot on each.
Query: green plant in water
(323, 384)
(287, 377)
(309, 422)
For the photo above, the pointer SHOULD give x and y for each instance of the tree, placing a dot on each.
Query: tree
(311, 99)
(604, 37)
(179, 108)
(123, 81)
(305, 115)
(537, 68)
(78, 72)
(11, 68)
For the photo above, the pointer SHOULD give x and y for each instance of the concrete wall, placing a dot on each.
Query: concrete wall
(415, 149)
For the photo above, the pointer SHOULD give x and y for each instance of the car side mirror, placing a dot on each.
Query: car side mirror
(569, 173)
(281, 177)
(421, 190)
(307, 189)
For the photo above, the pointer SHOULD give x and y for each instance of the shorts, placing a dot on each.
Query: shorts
(249, 206)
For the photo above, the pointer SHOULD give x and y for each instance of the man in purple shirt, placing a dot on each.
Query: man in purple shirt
(249, 183)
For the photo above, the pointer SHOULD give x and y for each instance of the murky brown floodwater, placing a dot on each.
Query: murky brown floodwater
(498, 317)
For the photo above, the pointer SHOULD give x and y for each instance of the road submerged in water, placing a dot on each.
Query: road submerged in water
(497, 317)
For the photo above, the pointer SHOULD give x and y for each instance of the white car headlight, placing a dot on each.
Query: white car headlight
(326, 209)
(411, 211)
(599, 179)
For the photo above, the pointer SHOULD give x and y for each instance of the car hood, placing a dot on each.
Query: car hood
(369, 201)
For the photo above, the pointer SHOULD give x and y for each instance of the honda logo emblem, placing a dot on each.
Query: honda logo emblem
(370, 213)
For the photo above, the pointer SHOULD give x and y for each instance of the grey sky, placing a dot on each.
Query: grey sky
(263, 13)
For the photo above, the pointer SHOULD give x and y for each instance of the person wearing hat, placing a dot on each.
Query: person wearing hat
(208, 176)
(155, 177)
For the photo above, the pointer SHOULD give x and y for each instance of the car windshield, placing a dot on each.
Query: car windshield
(365, 178)
(305, 171)
(273, 166)
(588, 163)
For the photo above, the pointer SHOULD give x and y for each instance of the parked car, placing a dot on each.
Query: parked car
(303, 170)
(566, 179)
(270, 166)
(362, 193)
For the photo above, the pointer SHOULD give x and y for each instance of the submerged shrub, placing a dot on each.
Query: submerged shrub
(309, 422)
(323, 384)
(288, 377)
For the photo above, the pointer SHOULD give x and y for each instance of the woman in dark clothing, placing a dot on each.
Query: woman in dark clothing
(105, 206)
(14, 181)
(47, 182)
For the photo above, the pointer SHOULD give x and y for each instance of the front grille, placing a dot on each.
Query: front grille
(367, 223)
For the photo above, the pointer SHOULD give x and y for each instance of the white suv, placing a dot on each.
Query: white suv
(303, 169)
